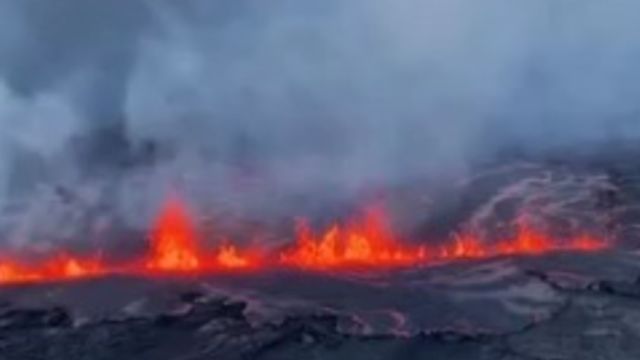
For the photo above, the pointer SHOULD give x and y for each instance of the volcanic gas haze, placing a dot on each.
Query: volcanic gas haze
(287, 179)
(260, 114)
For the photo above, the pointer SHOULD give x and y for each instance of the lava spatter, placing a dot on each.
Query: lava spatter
(175, 246)
(367, 241)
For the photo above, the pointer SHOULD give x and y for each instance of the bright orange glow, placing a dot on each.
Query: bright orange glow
(229, 257)
(587, 243)
(173, 240)
(175, 247)
(11, 272)
(366, 241)
(527, 241)
(464, 246)
(370, 243)
(60, 267)
(64, 266)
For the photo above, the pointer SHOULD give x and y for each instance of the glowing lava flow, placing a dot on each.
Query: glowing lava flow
(526, 241)
(60, 267)
(174, 245)
(229, 257)
(369, 243)
(366, 242)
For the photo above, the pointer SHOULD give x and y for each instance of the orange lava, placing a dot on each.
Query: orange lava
(366, 241)
(59, 267)
(370, 243)
(173, 244)
(527, 241)
(229, 257)
(11, 272)
(65, 267)
(175, 247)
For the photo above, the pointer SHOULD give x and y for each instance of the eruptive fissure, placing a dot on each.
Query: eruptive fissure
(367, 241)
(175, 247)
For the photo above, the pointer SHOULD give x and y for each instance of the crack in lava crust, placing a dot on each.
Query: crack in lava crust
(366, 242)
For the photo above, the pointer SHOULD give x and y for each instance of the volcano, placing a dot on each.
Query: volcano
(366, 243)
(347, 289)
(323, 179)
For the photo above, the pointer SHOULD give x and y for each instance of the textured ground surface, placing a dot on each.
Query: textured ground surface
(562, 306)
(551, 307)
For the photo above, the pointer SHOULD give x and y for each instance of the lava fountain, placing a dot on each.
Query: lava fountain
(365, 242)
(175, 245)
(369, 242)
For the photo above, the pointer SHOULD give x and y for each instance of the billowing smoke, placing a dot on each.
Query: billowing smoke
(245, 101)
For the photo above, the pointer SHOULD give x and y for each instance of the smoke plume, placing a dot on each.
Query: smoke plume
(104, 105)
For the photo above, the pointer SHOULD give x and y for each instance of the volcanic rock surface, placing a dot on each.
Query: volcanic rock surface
(561, 306)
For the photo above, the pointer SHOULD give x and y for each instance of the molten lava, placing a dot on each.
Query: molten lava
(228, 257)
(59, 267)
(527, 241)
(369, 242)
(64, 267)
(364, 242)
(11, 272)
(175, 247)
(173, 242)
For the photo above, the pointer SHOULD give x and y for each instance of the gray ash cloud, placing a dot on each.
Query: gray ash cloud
(127, 98)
